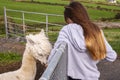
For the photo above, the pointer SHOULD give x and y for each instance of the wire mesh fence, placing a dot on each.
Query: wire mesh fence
(25, 22)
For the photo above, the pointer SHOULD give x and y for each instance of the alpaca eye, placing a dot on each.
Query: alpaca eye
(40, 54)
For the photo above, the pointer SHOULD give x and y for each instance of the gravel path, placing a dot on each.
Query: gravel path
(110, 70)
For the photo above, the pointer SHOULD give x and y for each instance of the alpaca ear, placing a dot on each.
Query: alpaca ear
(42, 32)
(29, 40)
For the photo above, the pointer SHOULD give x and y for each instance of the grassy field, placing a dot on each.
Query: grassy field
(86, 4)
(53, 9)
(101, 0)
(113, 37)
(65, 1)
(100, 14)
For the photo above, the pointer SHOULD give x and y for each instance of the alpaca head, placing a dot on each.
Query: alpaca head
(39, 46)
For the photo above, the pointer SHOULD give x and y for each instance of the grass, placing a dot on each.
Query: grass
(97, 15)
(66, 1)
(30, 7)
(53, 36)
(9, 57)
(103, 6)
(113, 37)
(101, 0)
(86, 4)
(51, 9)
(54, 1)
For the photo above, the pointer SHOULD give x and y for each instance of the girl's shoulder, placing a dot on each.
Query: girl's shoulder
(72, 26)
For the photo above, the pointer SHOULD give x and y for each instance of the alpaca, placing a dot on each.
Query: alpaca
(38, 47)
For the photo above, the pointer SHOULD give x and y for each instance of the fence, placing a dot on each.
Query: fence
(57, 68)
(18, 29)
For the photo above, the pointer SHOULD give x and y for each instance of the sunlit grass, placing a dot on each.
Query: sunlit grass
(51, 9)
(113, 37)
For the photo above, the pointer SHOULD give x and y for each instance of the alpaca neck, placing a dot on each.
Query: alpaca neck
(28, 64)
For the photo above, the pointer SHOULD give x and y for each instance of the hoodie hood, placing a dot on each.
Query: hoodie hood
(75, 36)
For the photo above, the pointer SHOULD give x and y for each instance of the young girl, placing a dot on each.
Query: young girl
(86, 44)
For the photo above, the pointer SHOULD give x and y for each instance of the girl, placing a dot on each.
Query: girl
(86, 44)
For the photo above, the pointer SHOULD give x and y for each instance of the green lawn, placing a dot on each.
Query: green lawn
(52, 9)
(96, 14)
(30, 7)
(54, 1)
(100, 0)
(86, 4)
(102, 6)
(113, 37)
(7, 58)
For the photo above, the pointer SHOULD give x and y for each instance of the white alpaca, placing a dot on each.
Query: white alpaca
(37, 47)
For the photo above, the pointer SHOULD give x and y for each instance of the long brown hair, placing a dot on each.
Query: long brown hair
(93, 36)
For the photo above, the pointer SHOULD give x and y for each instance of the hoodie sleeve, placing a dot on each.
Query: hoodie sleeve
(62, 37)
(111, 54)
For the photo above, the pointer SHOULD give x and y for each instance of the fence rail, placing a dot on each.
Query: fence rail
(23, 19)
(57, 68)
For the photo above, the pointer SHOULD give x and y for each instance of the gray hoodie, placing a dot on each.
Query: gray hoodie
(80, 64)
